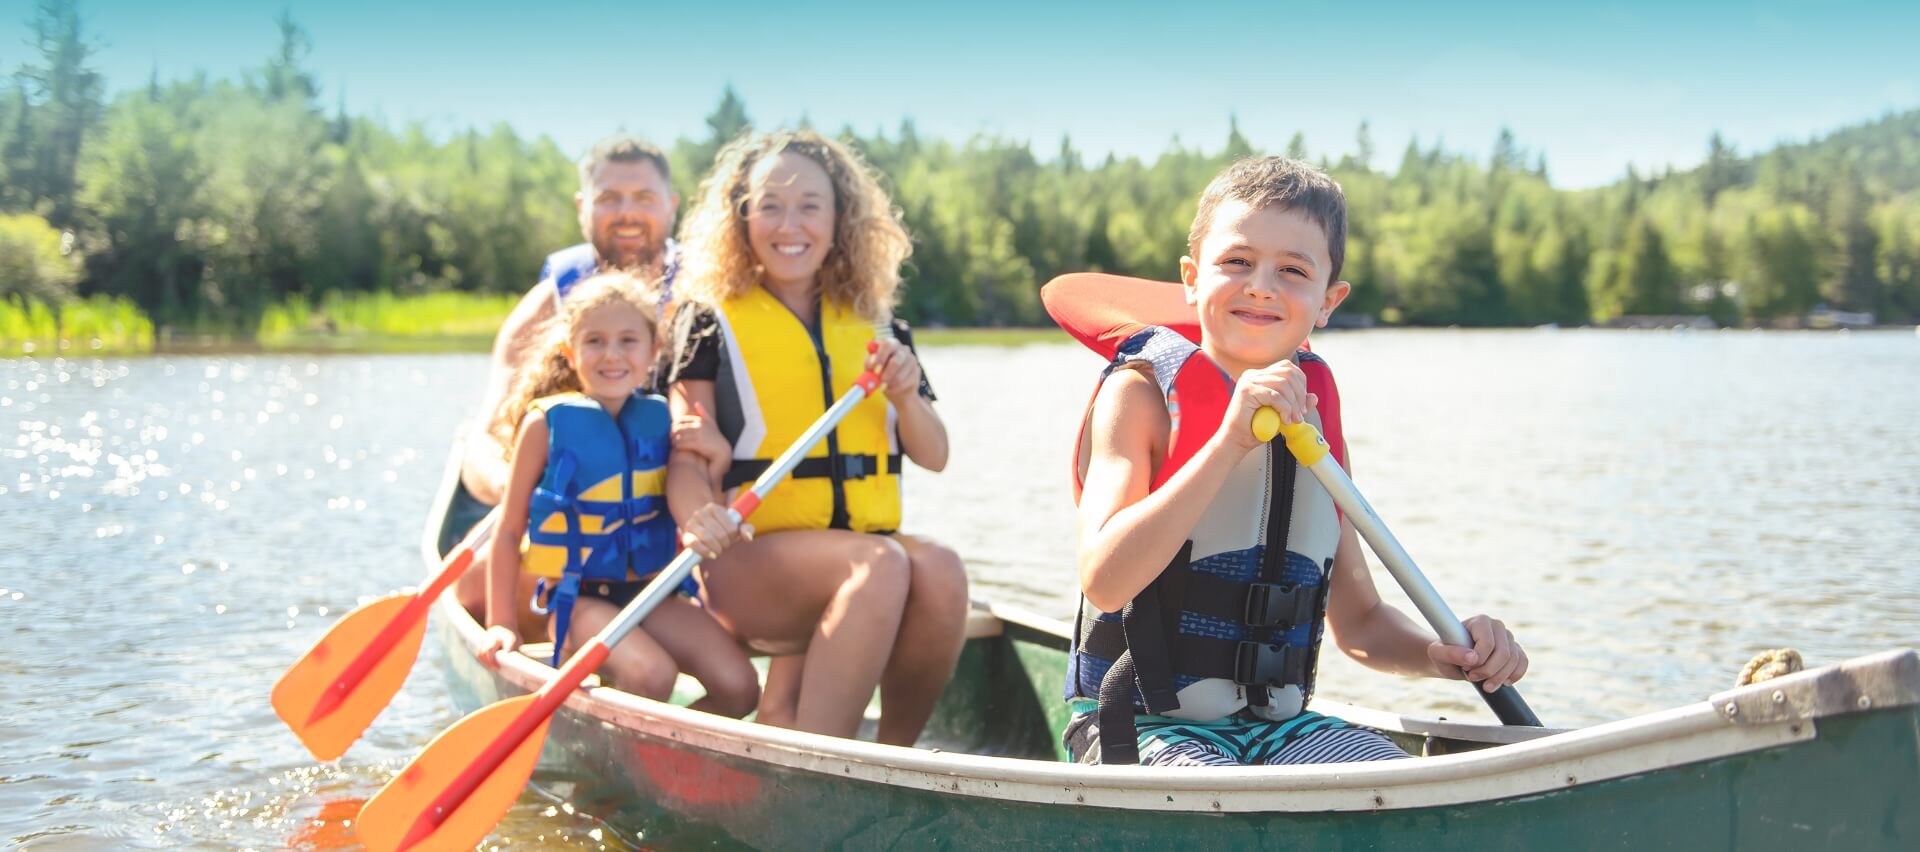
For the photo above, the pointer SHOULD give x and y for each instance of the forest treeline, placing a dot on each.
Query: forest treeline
(206, 203)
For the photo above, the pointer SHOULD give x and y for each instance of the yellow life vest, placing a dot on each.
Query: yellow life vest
(782, 377)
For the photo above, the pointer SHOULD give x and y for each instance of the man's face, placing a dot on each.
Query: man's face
(626, 211)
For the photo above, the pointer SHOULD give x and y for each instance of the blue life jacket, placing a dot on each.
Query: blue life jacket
(573, 264)
(599, 513)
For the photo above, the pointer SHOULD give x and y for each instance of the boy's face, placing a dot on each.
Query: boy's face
(1259, 284)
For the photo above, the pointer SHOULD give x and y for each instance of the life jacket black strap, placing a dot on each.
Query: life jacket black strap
(1244, 663)
(1276, 606)
(1147, 622)
(1119, 739)
(855, 466)
(1279, 525)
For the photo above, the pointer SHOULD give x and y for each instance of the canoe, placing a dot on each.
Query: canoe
(1822, 759)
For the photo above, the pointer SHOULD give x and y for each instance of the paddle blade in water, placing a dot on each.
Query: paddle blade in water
(327, 719)
(401, 815)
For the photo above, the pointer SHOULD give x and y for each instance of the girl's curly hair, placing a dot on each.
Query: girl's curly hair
(552, 374)
(862, 267)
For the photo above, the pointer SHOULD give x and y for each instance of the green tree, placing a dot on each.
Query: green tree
(33, 264)
(728, 120)
(283, 78)
(1851, 283)
(139, 187)
(64, 104)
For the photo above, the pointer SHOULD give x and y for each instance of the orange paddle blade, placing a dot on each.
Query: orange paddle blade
(328, 724)
(400, 815)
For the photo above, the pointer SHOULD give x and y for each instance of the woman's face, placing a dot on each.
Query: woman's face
(790, 212)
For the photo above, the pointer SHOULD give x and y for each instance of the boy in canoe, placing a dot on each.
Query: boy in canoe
(1210, 563)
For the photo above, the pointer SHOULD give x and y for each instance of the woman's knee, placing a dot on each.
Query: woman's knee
(883, 570)
(734, 691)
(939, 582)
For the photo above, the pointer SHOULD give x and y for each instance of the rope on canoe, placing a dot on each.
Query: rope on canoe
(1768, 665)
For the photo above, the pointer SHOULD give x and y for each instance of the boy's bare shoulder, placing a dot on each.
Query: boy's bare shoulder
(1129, 407)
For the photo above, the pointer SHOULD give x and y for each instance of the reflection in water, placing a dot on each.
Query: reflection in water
(1646, 509)
(331, 828)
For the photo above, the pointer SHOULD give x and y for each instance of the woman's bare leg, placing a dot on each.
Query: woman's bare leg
(932, 632)
(841, 592)
(702, 648)
(780, 700)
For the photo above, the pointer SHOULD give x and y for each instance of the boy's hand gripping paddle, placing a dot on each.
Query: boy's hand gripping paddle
(1311, 450)
(332, 693)
(457, 790)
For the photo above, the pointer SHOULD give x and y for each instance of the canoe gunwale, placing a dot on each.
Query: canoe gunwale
(1684, 735)
(1877, 681)
(1544, 762)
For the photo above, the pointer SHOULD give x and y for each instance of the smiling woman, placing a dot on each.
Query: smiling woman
(793, 259)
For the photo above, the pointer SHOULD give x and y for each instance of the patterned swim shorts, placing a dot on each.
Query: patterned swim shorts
(1239, 740)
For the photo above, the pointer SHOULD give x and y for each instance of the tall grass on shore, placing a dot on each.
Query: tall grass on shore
(444, 321)
(98, 325)
(366, 322)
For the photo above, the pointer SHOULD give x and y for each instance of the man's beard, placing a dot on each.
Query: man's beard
(645, 259)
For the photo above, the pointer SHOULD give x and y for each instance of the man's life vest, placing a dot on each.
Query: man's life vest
(573, 264)
(779, 377)
(599, 513)
(1235, 619)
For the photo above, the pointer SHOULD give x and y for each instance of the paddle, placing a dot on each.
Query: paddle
(465, 780)
(332, 693)
(1311, 449)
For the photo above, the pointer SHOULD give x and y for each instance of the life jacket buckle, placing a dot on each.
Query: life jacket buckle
(858, 466)
(1260, 664)
(1279, 605)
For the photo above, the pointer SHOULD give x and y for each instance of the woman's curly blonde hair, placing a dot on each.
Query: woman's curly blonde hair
(862, 267)
(552, 374)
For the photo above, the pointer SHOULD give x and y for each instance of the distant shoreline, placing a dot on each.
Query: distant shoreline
(372, 344)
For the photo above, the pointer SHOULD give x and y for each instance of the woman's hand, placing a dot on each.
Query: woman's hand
(695, 433)
(1494, 661)
(499, 638)
(1281, 387)
(711, 529)
(898, 369)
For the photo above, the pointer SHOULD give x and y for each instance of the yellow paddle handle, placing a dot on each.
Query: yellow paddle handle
(1303, 440)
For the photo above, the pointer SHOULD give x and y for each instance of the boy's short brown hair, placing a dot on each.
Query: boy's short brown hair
(623, 149)
(1264, 182)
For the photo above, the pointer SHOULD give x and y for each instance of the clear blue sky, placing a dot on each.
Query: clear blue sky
(1595, 85)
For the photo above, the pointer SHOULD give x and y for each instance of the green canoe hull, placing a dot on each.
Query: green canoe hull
(1828, 760)
(1851, 787)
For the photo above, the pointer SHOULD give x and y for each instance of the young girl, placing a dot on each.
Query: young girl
(793, 255)
(587, 493)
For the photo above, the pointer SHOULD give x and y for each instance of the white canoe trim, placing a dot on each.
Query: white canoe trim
(1689, 734)
(1696, 732)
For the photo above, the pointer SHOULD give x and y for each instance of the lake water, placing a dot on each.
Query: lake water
(1646, 509)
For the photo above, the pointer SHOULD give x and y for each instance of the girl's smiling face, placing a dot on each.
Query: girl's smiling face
(611, 350)
(790, 213)
(1259, 284)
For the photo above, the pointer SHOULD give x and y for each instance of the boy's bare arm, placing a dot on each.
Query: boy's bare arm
(1364, 626)
(1382, 637)
(1127, 535)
